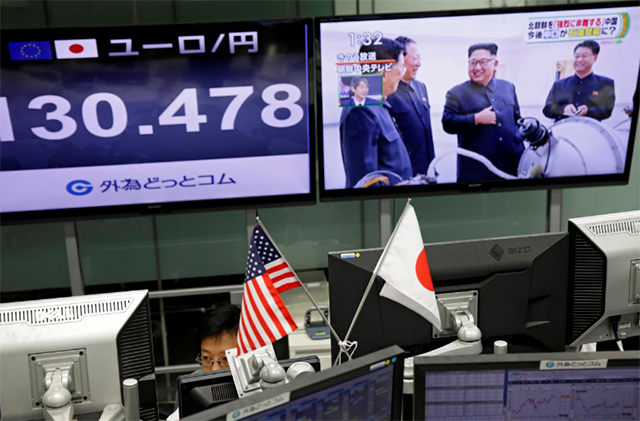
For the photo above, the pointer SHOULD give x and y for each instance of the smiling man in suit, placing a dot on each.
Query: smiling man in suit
(483, 112)
(411, 109)
(584, 93)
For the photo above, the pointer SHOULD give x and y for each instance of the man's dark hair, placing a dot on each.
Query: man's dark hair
(224, 318)
(405, 41)
(489, 46)
(355, 81)
(592, 45)
(388, 49)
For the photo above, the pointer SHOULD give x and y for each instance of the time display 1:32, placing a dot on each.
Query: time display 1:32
(365, 38)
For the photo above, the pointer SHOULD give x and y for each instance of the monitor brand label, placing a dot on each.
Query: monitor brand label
(497, 252)
(258, 407)
(572, 364)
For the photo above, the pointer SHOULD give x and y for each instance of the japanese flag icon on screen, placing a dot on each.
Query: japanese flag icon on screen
(76, 48)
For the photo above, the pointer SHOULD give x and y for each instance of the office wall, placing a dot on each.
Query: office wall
(209, 244)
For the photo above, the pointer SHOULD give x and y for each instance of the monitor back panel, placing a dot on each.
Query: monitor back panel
(521, 283)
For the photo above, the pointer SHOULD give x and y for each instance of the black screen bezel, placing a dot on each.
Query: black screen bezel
(327, 195)
(157, 208)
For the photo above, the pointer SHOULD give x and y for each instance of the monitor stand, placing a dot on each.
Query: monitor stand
(57, 399)
(469, 342)
(57, 404)
(259, 369)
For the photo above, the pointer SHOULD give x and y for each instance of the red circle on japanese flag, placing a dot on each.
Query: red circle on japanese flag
(76, 48)
(422, 271)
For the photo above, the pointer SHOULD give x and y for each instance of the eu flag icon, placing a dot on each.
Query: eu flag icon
(30, 50)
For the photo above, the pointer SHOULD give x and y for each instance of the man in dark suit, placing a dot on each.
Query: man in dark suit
(483, 113)
(360, 89)
(411, 110)
(585, 93)
(369, 138)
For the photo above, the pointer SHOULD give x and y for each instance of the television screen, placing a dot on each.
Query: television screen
(477, 100)
(129, 119)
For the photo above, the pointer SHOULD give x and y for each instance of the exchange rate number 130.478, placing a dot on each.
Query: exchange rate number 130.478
(187, 99)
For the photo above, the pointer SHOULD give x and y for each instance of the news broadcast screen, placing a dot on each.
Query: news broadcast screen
(155, 117)
(522, 98)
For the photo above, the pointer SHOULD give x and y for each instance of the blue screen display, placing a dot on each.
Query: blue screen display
(366, 397)
(121, 116)
(610, 394)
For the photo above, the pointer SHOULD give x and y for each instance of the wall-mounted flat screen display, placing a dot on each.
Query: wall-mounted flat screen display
(131, 119)
(477, 100)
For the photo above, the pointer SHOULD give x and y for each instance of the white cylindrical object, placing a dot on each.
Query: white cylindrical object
(131, 400)
(500, 347)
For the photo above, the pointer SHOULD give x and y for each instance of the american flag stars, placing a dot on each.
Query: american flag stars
(264, 317)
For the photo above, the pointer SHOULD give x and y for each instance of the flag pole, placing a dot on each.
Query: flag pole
(371, 281)
(333, 332)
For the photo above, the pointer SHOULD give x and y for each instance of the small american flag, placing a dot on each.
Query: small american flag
(264, 317)
(279, 271)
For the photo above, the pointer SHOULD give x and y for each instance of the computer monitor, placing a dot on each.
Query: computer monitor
(367, 388)
(518, 284)
(200, 391)
(604, 278)
(101, 121)
(97, 341)
(389, 132)
(542, 386)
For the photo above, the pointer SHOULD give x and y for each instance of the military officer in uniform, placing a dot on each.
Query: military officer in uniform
(411, 109)
(483, 112)
(369, 138)
(585, 93)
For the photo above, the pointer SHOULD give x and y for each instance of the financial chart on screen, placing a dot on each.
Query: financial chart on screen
(171, 114)
(366, 397)
(604, 394)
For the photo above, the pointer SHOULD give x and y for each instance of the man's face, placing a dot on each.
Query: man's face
(411, 62)
(392, 77)
(583, 60)
(212, 349)
(361, 91)
(482, 65)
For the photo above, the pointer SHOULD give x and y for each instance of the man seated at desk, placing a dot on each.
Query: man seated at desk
(217, 333)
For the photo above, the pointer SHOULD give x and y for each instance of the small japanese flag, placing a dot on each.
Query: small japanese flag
(406, 270)
(76, 48)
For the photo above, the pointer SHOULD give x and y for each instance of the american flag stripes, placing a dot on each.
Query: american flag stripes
(264, 317)
(279, 271)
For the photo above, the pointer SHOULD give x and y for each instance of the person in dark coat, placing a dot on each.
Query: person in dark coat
(411, 110)
(584, 93)
(360, 89)
(483, 112)
(369, 138)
